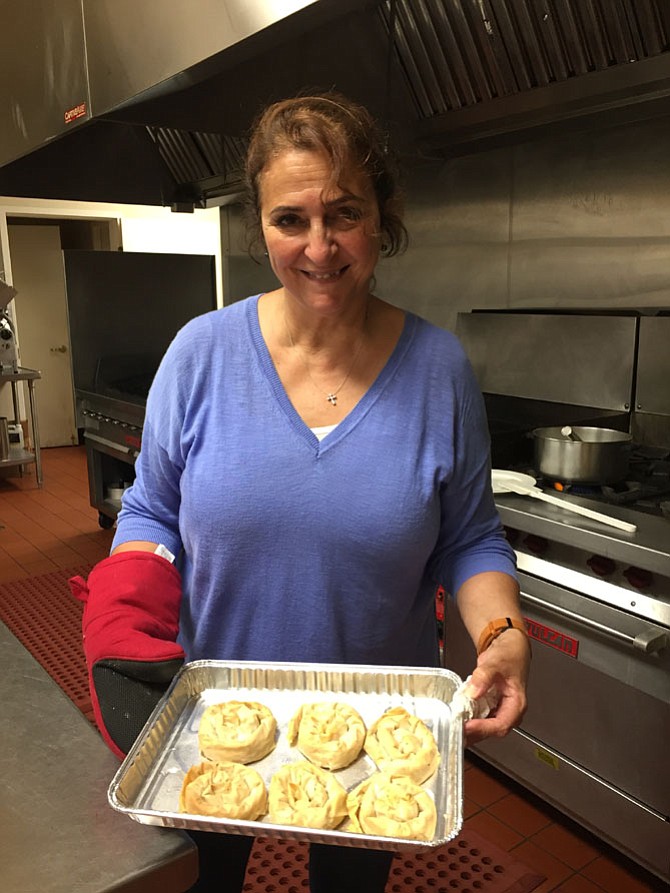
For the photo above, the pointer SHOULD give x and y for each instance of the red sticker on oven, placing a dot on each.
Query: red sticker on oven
(78, 111)
(552, 637)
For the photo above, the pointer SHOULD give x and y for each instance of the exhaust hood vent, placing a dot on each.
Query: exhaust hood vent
(164, 118)
(531, 58)
(466, 57)
(206, 166)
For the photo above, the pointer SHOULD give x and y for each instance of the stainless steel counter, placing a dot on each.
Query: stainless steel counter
(57, 832)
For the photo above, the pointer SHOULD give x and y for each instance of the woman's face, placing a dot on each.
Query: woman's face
(322, 240)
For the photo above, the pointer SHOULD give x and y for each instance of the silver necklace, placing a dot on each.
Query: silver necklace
(331, 396)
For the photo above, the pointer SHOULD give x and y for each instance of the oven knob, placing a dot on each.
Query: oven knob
(538, 545)
(638, 577)
(603, 567)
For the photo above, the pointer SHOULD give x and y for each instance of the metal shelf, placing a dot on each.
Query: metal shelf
(25, 457)
(18, 457)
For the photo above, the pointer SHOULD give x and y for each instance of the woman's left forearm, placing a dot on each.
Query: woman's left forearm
(485, 597)
(504, 661)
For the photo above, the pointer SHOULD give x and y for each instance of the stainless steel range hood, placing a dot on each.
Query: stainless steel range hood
(115, 100)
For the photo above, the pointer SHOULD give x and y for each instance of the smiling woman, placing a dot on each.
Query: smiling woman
(325, 204)
(352, 457)
(323, 244)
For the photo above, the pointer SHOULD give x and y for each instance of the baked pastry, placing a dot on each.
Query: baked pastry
(306, 795)
(402, 744)
(329, 734)
(240, 731)
(223, 789)
(392, 806)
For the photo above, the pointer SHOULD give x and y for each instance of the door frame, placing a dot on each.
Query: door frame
(105, 232)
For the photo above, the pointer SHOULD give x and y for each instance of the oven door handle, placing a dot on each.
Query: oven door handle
(109, 443)
(650, 640)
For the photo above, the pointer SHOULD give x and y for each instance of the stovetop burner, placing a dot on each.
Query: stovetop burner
(644, 488)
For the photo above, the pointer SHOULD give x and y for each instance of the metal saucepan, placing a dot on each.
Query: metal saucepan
(598, 456)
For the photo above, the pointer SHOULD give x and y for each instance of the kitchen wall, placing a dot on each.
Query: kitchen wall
(578, 221)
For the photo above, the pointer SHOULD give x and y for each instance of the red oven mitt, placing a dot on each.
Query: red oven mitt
(130, 626)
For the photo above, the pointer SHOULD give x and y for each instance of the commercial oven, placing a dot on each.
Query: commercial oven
(596, 600)
(597, 608)
(123, 310)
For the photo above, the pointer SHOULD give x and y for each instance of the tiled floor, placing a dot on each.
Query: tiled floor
(42, 530)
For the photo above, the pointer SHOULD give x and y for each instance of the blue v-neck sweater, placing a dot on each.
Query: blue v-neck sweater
(293, 549)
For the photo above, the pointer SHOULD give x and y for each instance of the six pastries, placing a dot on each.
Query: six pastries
(331, 735)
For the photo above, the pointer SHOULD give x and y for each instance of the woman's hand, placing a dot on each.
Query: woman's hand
(504, 666)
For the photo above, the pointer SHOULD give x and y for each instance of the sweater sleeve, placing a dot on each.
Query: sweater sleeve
(471, 538)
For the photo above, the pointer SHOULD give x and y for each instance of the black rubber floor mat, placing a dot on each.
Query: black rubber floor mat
(45, 617)
(468, 864)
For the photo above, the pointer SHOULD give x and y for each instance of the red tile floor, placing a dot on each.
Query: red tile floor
(42, 530)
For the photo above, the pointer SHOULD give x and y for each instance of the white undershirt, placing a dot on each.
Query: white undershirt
(322, 430)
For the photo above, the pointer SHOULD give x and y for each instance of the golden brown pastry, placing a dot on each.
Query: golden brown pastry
(306, 795)
(226, 790)
(240, 731)
(402, 744)
(329, 734)
(392, 806)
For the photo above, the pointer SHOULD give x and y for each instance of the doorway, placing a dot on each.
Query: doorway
(40, 310)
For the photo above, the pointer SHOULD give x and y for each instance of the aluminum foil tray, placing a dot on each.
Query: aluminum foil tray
(148, 783)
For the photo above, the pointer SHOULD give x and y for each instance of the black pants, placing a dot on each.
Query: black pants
(332, 869)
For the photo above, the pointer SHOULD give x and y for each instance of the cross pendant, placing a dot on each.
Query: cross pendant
(332, 398)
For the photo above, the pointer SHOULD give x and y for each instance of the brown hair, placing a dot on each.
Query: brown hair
(347, 133)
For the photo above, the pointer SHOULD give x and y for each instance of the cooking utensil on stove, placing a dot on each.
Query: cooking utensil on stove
(568, 432)
(595, 456)
(525, 485)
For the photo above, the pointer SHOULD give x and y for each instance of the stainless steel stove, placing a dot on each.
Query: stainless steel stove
(124, 308)
(112, 430)
(596, 601)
